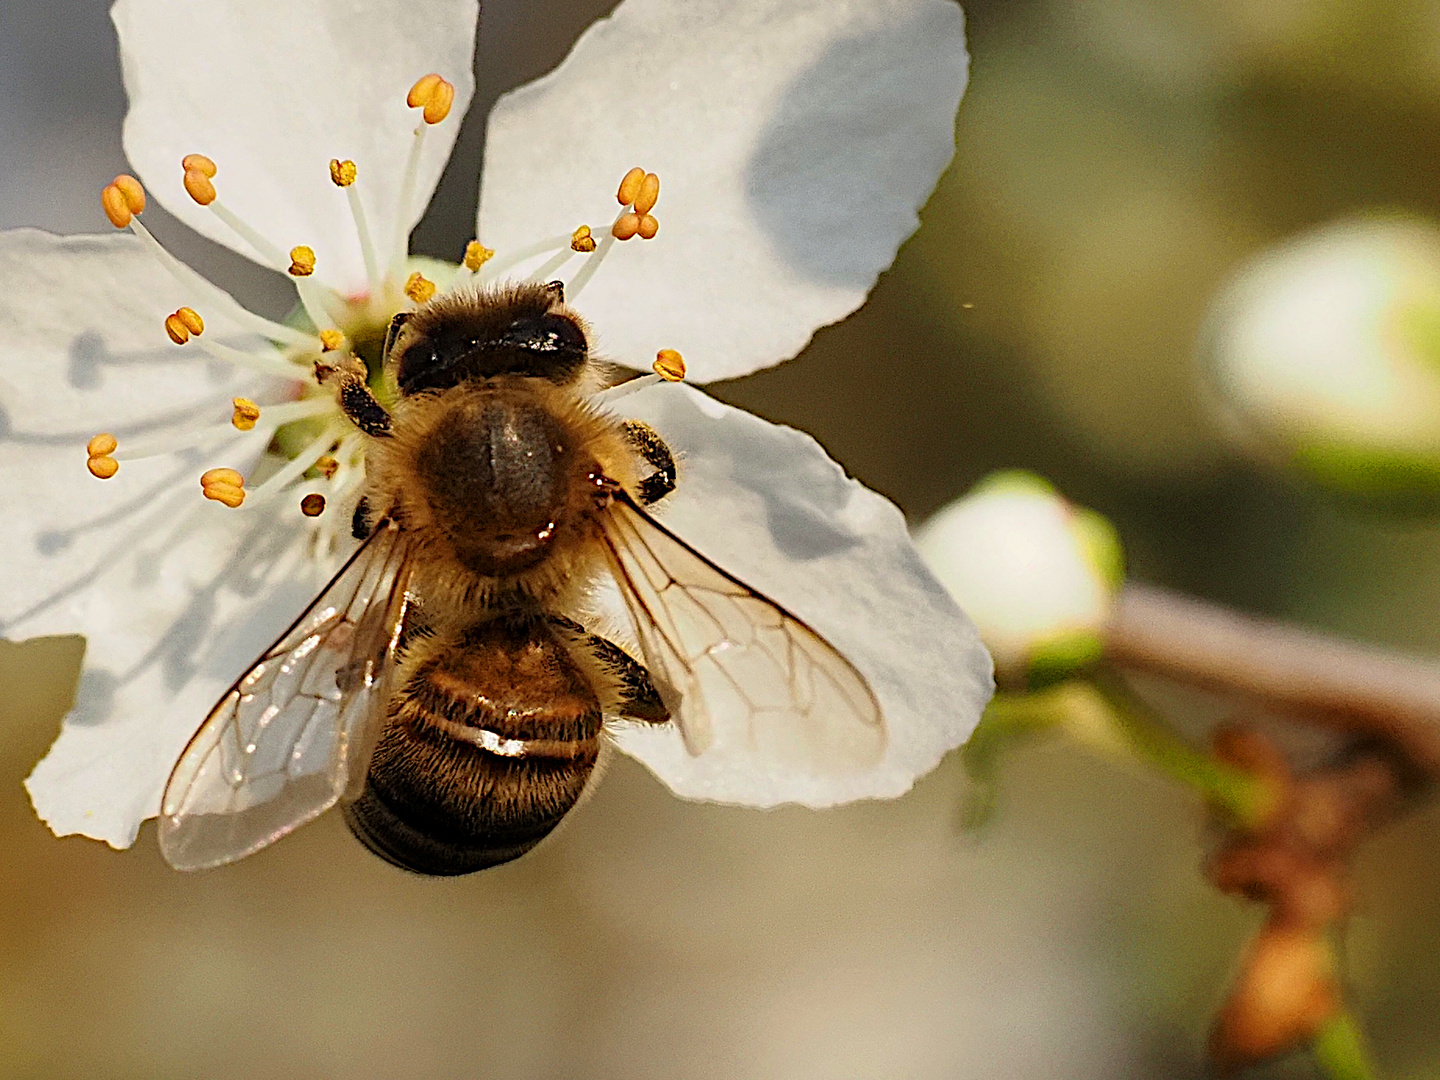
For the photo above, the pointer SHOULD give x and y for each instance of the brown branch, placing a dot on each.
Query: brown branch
(1316, 677)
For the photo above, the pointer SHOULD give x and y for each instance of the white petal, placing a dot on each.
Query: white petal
(768, 505)
(794, 141)
(271, 90)
(160, 581)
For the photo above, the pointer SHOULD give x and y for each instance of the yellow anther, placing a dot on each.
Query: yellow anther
(223, 486)
(648, 227)
(246, 413)
(312, 505)
(581, 240)
(199, 163)
(669, 365)
(190, 319)
(133, 192)
(342, 173)
(649, 194)
(328, 466)
(626, 226)
(199, 187)
(122, 199)
(102, 466)
(178, 328)
(434, 95)
(302, 261)
(476, 255)
(419, 288)
(630, 186)
(330, 340)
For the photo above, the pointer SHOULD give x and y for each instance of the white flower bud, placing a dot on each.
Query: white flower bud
(1035, 573)
(1325, 353)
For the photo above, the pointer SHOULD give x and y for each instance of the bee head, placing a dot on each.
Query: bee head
(516, 330)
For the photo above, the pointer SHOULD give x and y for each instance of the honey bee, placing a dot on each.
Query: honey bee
(444, 688)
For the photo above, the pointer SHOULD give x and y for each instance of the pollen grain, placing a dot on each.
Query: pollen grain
(648, 195)
(245, 415)
(630, 186)
(669, 365)
(419, 288)
(626, 226)
(581, 240)
(223, 486)
(302, 261)
(432, 94)
(476, 255)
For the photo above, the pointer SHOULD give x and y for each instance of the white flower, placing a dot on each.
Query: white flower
(1324, 353)
(1035, 573)
(796, 139)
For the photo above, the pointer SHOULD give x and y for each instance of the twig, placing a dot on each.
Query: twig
(1316, 677)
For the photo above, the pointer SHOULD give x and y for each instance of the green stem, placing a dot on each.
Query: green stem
(1246, 799)
(1339, 1050)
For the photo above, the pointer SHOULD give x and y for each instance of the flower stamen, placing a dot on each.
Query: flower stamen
(183, 323)
(199, 173)
(246, 414)
(582, 241)
(434, 96)
(224, 486)
(313, 505)
(302, 261)
(122, 199)
(670, 365)
(343, 175)
(197, 436)
(330, 340)
(476, 256)
(419, 288)
(101, 465)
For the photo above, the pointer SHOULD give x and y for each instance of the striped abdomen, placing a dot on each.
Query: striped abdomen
(486, 747)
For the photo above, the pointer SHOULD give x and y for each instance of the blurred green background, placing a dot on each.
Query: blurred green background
(1116, 159)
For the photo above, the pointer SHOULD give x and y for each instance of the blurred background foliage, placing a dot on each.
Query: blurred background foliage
(1116, 160)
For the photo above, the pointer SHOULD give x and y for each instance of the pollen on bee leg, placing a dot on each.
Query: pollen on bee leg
(101, 465)
(669, 365)
(312, 505)
(181, 324)
(245, 415)
(419, 288)
(223, 486)
(302, 261)
(476, 255)
(330, 340)
(581, 240)
(432, 94)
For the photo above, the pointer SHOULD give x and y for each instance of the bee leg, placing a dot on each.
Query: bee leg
(356, 401)
(652, 448)
(360, 524)
(392, 333)
(639, 700)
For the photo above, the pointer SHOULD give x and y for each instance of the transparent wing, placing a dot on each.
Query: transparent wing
(740, 675)
(296, 731)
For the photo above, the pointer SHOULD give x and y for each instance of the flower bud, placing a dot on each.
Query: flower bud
(1325, 355)
(1035, 573)
(1285, 991)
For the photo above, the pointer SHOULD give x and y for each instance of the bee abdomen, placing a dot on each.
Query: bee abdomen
(488, 745)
